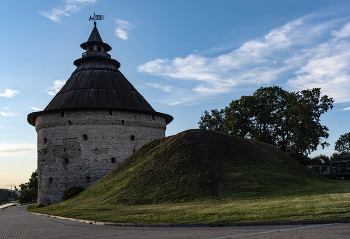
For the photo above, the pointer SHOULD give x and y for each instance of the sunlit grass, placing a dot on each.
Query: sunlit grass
(316, 204)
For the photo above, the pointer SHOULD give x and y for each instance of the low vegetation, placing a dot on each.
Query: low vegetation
(6, 196)
(317, 205)
(205, 176)
(29, 190)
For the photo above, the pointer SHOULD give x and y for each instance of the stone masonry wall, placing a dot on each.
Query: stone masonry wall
(78, 148)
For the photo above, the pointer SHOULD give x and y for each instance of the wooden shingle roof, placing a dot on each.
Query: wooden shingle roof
(98, 84)
(95, 38)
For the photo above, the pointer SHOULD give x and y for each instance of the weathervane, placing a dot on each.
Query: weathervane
(96, 17)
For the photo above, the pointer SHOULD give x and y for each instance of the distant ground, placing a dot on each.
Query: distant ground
(206, 176)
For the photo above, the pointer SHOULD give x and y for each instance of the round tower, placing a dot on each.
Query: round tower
(92, 124)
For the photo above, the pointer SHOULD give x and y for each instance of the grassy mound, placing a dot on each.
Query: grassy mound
(199, 165)
(204, 176)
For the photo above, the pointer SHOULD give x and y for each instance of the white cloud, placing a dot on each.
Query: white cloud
(308, 54)
(69, 6)
(164, 88)
(249, 64)
(6, 108)
(55, 88)
(123, 26)
(7, 114)
(9, 93)
(343, 32)
(11, 148)
(55, 14)
(345, 109)
(327, 67)
(35, 108)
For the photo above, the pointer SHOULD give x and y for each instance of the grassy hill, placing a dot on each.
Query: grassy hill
(199, 164)
(198, 167)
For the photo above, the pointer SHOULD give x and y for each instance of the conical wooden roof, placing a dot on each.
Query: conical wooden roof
(98, 84)
(95, 38)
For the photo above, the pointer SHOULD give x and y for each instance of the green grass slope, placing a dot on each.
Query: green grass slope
(199, 165)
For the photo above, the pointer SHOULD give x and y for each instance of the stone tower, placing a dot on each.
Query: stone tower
(92, 124)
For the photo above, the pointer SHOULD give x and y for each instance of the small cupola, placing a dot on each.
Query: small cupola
(95, 46)
(95, 40)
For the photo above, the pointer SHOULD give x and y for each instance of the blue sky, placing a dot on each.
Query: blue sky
(184, 57)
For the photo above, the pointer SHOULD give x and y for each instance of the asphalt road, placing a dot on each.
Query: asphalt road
(16, 223)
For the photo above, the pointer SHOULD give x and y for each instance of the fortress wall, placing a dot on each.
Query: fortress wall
(78, 148)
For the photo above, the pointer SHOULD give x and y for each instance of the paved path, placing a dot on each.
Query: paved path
(16, 223)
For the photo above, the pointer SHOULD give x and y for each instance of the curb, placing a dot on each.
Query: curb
(69, 219)
(239, 224)
(12, 205)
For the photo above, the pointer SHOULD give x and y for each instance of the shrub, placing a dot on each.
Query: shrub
(28, 195)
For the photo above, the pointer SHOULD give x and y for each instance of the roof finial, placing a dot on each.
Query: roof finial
(96, 17)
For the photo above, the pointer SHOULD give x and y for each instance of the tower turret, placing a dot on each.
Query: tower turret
(92, 124)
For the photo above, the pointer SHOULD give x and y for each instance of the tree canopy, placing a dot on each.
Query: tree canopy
(6, 196)
(29, 190)
(288, 120)
(342, 145)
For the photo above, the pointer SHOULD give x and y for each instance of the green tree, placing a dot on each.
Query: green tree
(288, 120)
(6, 196)
(260, 116)
(29, 190)
(307, 131)
(321, 156)
(213, 121)
(343, 143)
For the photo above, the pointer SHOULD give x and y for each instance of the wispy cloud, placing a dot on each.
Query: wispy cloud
(303, 53)
(345, 109)
(164, 88)
(6, 108)
(123, 27)
(11, 148)
(9, 93)
(57, 85)
(35, 108)
(68, 7)
(7, 114)
(328, 67)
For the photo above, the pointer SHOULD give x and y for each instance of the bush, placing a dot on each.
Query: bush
(72, 192)
(28, 195)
